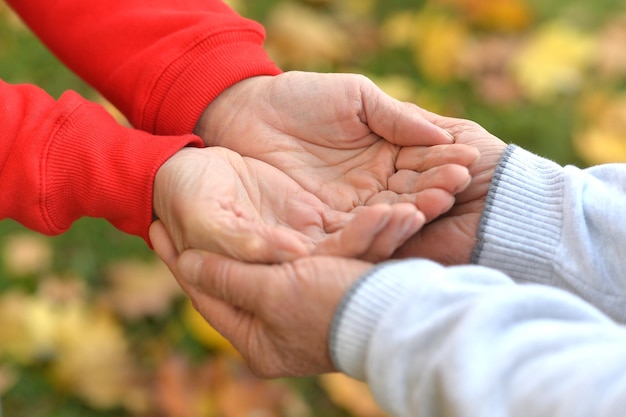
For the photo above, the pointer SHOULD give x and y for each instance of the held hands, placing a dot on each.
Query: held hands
(339, 137)
(277, 316)
(313, 171)
(216, 200)
(280, 320)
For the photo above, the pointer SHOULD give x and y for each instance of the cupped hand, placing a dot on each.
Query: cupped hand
(217, 200)
(280, 319)
(451, 238)
(337, 135)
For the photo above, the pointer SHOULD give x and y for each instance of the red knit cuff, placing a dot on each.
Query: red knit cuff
(189, 85)
(97, 168)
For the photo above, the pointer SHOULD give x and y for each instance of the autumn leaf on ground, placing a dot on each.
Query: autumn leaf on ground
(300, 37)
(485, 63)
(26, 253)
(220, 387)
(603, 140)
(27, 328)
(397, 30)
(501, 15)
(612, 49)
(204, 333)
(62, 289)
(554, 61)
(437, 43)
(182, 390)
(141, 289)
(83, 347)
(351, 395)
(93, 359)
(358, 8)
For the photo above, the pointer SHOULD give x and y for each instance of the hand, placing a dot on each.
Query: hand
(277, 316)
(451, 238)
(217, 200)
(338, 136)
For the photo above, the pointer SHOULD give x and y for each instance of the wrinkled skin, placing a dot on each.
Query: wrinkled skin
(451, 238)
(277, 316)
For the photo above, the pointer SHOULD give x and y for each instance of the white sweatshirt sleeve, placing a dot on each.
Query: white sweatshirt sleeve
(559, 226)
(470, 341)
(467, 341)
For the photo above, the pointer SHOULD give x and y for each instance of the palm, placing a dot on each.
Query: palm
(326, 132)
(451, 238)
(216, 200)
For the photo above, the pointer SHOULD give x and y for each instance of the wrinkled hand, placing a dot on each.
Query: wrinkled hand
(217, 200)
(277, 316)
(338, 136)
(451, 238)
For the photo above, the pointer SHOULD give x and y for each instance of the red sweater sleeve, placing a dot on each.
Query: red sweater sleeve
(161, 62)
(66, 159)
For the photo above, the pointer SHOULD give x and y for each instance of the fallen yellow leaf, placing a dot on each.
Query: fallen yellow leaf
(351, 395)
(93, 359)
(501, 15)
(140, 289)
(437, 44)
(204, 333)
(603, 139)
(554, 61)
(300, 37)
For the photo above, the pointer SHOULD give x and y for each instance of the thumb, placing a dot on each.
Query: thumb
(226, 279)
(163, 245)
(398, 122)
(190, 265)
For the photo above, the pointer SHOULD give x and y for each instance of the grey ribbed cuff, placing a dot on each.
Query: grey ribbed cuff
(360, 311)
(522, 220)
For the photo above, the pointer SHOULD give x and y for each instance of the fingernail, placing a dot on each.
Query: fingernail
(190, 265)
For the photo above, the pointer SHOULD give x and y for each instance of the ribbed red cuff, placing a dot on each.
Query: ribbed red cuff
(97, 168)
(189, 85)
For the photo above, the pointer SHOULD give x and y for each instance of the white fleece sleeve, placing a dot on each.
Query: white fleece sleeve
(560, 226)
(467, 341)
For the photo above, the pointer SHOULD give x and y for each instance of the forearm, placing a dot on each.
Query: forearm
(467, 341)
(558, 226)
(161, 62)
(67, 159)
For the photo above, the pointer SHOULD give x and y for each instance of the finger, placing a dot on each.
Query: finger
(422, 158)
(191, 275)
(432, 202)
(399, 122)
(405, 221)
(354, 236)
(224, 278)
(452, 178)
(163, 245)
(357, 238)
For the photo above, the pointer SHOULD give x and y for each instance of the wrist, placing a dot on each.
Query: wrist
(225, 108)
